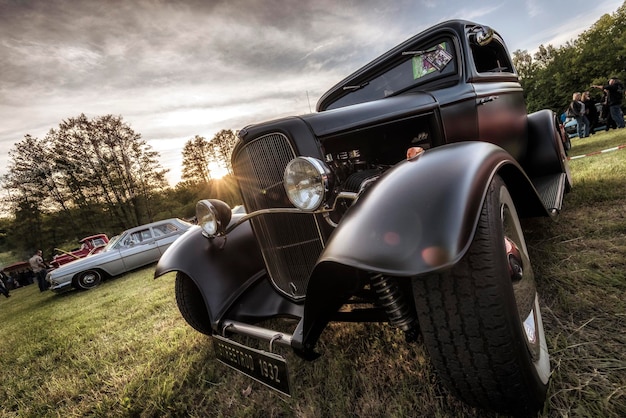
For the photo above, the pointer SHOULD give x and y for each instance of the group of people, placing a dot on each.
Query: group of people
(583, 108)
(39, 269)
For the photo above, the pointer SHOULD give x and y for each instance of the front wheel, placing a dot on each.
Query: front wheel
(481, 320)
(89, 279)
(191, 304)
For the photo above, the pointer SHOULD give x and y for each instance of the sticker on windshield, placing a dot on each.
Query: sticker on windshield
(433, 60)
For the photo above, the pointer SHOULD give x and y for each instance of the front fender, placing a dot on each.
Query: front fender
(421, 215)
(222, 271)
(418, 218)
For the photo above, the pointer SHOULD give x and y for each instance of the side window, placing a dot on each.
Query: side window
(164, 229)
(137, 237)
(128, 241)
(491, 58)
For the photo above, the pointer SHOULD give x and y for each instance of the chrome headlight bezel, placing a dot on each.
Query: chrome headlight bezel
(308, 182)
(213, 216)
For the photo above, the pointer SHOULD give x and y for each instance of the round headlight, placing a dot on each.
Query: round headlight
(213, 216)
(206, 218)
(307, 180)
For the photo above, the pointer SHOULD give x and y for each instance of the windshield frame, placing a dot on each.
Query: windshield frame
(397, 74)
(112, 242)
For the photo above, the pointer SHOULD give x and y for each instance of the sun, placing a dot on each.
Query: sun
(217, 171)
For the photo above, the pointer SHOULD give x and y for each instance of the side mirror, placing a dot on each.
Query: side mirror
(481, 35)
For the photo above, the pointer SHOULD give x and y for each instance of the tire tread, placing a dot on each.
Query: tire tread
(466, 330)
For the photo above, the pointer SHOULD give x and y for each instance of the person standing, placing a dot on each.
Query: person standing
(606, 114)
(577, 110)
(3, 288)
(39, 268)
(591, 112)
(615, 91)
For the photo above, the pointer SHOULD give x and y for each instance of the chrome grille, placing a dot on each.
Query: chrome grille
(290, 243)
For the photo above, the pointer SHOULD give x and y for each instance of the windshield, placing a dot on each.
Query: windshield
(418, 66)
(112, 242)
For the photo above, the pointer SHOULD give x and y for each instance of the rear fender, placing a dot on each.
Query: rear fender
(546, 154)
(418, 218)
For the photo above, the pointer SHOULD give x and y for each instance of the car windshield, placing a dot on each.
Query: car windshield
(416, 67)
(98, 242)
(112, 242)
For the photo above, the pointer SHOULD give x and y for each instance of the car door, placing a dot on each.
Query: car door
(501, 110)
(140, 248)
(165, 234)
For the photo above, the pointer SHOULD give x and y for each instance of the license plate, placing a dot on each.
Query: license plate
(265, 367)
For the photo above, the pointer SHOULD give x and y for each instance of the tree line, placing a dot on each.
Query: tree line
(99, 176)
(552, 74)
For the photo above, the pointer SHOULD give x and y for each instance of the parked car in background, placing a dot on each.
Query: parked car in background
(19, 273)
(133, 248)
(88, 245)
(399, 201)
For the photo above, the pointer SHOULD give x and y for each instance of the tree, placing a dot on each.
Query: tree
(597, 54)
(98, 174)
(197, 155)
(604, 52)
(545, 55)
(224, 142)
(524, 64)
(104, 162)
(27, 182)
(200, 156)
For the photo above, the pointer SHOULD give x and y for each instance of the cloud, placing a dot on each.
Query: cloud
(175, 69)
(534, 8)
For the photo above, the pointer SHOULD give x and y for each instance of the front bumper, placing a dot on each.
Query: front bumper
(58, 284)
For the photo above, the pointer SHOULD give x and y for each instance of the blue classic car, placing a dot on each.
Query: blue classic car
(133, 248)
(399, 201)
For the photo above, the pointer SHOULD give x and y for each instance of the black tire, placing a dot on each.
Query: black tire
(88, 279)
(473, 317)
(191, 304)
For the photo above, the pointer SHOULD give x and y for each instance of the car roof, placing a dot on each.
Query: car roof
(170, 220)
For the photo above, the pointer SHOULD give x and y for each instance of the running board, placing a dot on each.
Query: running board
(551, 189)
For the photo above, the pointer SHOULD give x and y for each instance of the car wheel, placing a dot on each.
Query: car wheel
(89, 279)
(191, 304)
(481, 320)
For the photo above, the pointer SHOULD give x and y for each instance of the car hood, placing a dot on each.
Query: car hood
(346, 118)
(82, 263)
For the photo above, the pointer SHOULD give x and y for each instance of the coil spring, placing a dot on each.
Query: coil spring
(392, 299)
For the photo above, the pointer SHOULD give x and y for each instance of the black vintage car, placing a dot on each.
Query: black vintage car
(398, 201)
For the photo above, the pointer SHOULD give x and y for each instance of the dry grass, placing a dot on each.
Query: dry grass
(122, 349)
(581, 263)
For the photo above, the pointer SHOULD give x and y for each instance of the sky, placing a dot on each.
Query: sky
(176, 69)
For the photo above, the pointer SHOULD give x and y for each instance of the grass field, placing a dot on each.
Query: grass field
(122, 349)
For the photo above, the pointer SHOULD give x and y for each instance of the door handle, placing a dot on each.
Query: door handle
(487, 100)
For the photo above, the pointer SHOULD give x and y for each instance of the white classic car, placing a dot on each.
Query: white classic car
(133, 248)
